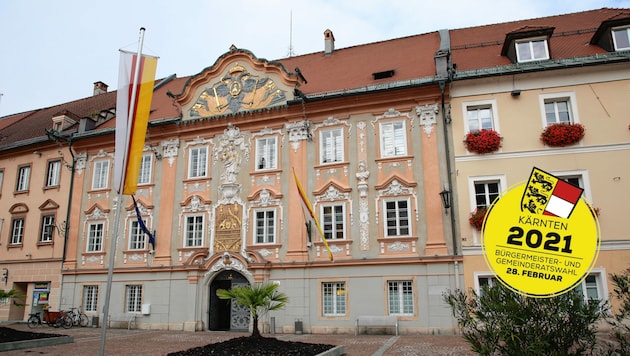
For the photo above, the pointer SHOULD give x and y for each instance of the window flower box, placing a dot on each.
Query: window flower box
(562, 134)
(482, 141)
(477, 217)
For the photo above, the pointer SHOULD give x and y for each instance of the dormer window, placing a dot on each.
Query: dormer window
(621, 38)
(532, 50)
(613, 34)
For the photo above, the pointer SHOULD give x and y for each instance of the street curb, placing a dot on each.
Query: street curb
(29, 344)
(335, 351)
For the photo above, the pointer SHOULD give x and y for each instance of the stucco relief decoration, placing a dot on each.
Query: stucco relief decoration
(228, 263)
(298, 131)
(428, 117)
(169, 150)
(231, 150)
(396, 189)
(237, 90)
(80, 162)
(227, 229)
(96, 214)
(391, 113)
(362, 175)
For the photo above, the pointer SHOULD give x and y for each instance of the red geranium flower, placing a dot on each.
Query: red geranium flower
(477, 217)
(482, 141)
(562, 134)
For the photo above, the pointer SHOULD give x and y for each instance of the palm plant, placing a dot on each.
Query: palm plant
(259, 298)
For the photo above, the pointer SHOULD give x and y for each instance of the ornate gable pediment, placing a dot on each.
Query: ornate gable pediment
(49, 204)
(237, 82)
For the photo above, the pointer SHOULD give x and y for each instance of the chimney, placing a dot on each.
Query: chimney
(100, 88)
(329, 42)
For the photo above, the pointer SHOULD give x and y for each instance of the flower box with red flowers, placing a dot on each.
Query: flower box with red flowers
(562, 134)
(477, 217)
(482, 141)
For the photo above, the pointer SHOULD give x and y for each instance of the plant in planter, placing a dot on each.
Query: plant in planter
(482, 141)
(477, 217)
(562, 134)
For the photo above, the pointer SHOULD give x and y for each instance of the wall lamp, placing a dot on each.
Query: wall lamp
(446, 199)
(515, 92)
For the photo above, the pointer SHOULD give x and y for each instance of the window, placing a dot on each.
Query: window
(95, 237)
(266, 153)
(397, 217)
(101, 175)
(400, 297)
(47, 228)
(90, 298)
(24, 174)
(485, 193)
(133, 302)
(265, 230)
(137, 238)
(621, 38)
(484, 280)
(193, 234)
(52, 173)
(557, 111)
(197, 162)
(145, 169)
(1, 180)
(479, 117)
(334, 298)
(331, 146)
(532, 50)
(333, 222)
(393, 139)
(17, 231)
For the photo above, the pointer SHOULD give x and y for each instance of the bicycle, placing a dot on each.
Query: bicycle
(55, 319)
(78, 317)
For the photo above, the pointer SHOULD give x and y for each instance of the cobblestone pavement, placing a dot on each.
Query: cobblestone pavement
(160, 342)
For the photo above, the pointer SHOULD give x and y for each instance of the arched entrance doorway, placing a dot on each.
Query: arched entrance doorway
(226, 315)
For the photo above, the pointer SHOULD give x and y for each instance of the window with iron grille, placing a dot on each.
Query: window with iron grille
(400, 297)
(334, 298)
(133, 302)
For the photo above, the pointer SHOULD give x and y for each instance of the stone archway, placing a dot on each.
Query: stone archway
(224, 315)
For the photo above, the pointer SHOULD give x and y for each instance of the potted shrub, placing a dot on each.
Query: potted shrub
(482, 141)
(477, 217)
(562, 134)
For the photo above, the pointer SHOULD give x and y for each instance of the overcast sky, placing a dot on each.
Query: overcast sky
(53, 51)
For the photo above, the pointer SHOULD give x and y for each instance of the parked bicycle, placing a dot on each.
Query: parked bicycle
(78, 317)
(55, 319)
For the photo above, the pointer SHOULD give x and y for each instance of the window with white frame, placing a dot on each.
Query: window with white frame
(133, 298)
(621, 38)
(479, 117)
(393, 139)
(96, 232)
(400, 297)
(334, 298)
(17, 231)
(137, 238)
(144, 176)
(100, 175)
(266, 153)
(198, 162)
(47, 228)
(331, 146)
(24, 175)
(593, 286)
(90, 298)
(53, 173)
(265, 229)
(486, 192)
(333, 221)
(532, 50)
(193, 231)
(396, 217)
(1, 180)
(484, 280)
(557, 111)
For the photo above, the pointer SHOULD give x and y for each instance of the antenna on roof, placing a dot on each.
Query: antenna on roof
(291, 53)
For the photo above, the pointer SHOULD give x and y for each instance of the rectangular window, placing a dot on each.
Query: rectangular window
(137, 238)
(331, 146)
(266, 153)
(558, 110)
(479, 117)
(265, 226)
(334, 298)
(621, 38)
(17, 231)
(101, 175)
(1, 180)
(198, 162)
(397, 217)
(483, 281)
(400, 297)
(47, 228)
(95, 237)
(486, 193)
(145, 169)
(333, 222)
(133, 302)
(193, 236)
(24, 175)
(52, 173)
(393, 139)
(532, 50)
(90, 298)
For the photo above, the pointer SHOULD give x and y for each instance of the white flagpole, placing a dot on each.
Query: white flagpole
(119, 207)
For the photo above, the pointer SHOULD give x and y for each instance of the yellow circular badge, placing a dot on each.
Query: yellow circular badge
(541, 238)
